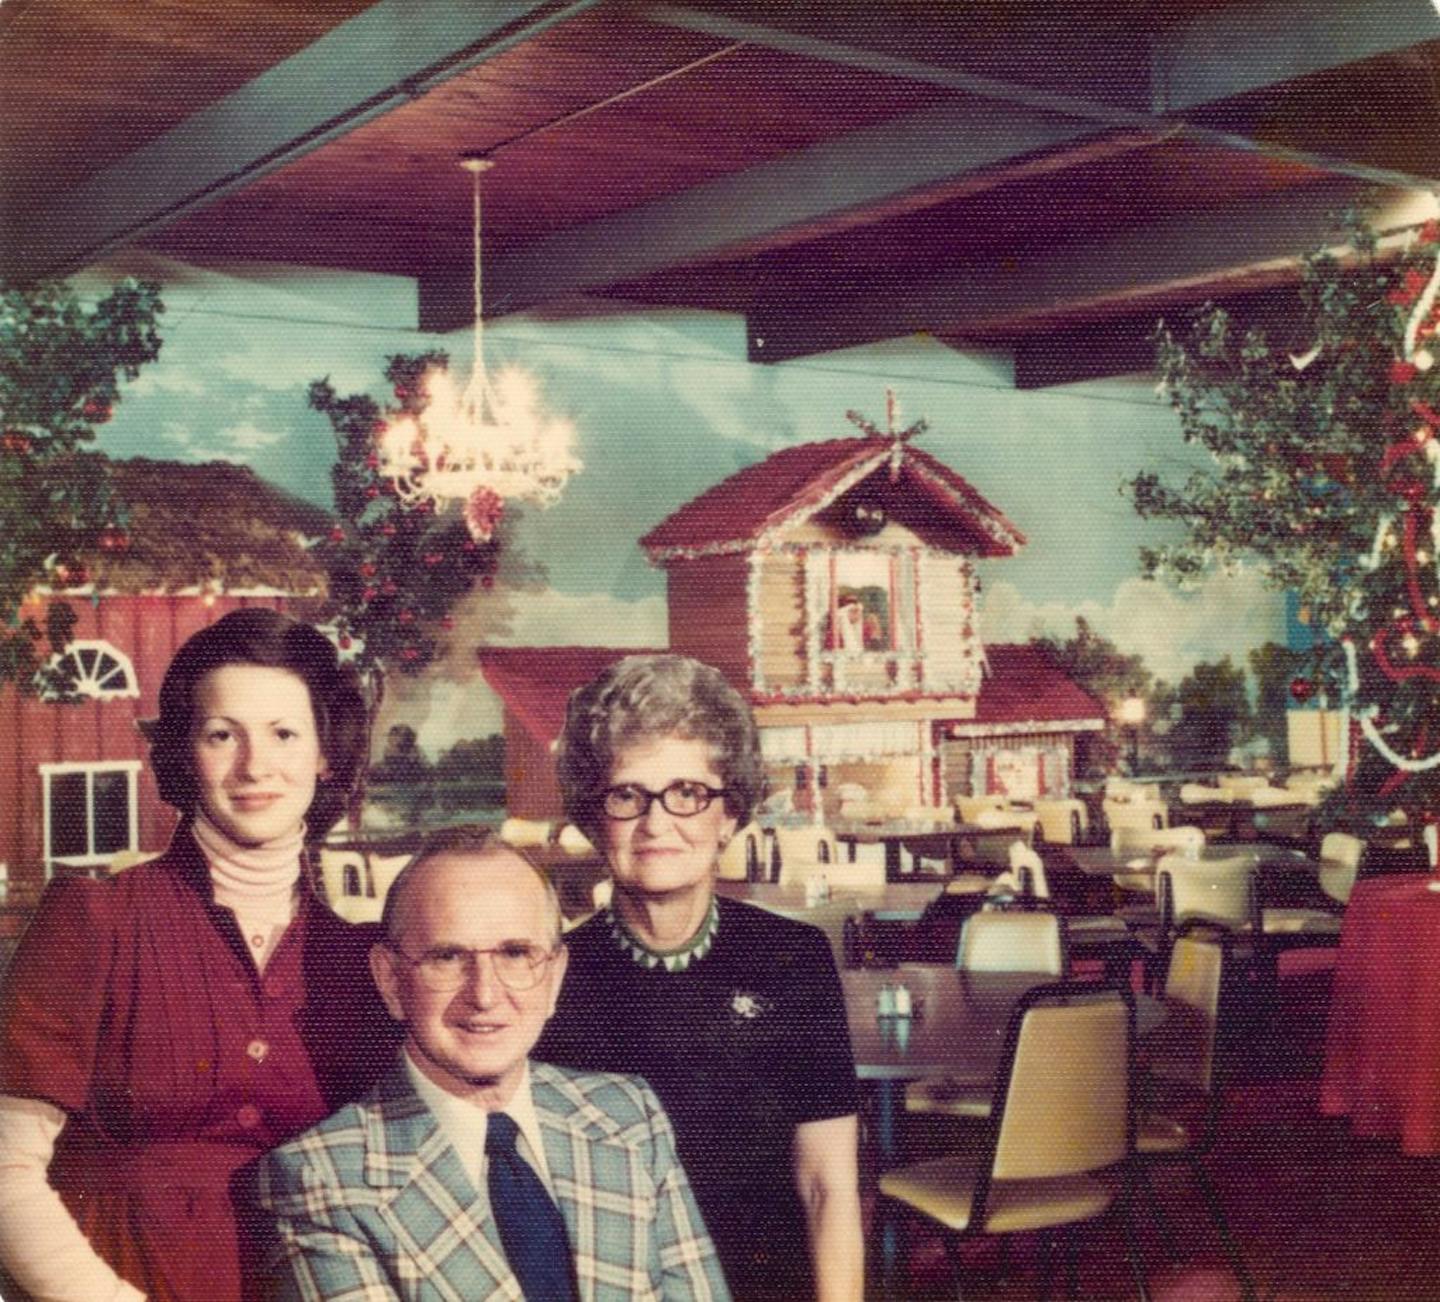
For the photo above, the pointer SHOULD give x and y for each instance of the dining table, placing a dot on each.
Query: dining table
(921, 840)
(1382, 1044)
(956, 1030)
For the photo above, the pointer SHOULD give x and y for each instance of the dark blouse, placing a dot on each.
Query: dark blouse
(132, 1005)
(742, 1046)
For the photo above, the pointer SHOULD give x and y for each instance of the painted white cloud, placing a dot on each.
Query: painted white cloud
(249, 436)
(1174, 631)
(158, 379)
(552, 618)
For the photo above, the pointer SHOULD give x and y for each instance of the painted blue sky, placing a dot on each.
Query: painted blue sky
(666, 405)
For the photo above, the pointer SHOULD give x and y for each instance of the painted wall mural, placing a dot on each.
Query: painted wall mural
(666, 405)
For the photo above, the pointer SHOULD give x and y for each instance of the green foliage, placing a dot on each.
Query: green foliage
(61, 365)
(1211, 713)
(1102, 669)
(395, 572)
(1322, 473)
(1274, 668)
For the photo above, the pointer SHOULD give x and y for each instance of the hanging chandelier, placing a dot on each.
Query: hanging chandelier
(482, 445)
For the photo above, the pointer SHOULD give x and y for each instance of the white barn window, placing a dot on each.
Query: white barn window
(89, 812)
(100, 670)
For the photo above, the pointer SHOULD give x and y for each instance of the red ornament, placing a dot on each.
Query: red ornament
(434, 558)
(487, 581)
(1402, 372)
(345, 642)
(372, 492)
(401, 392)
(96, 411)
(113, 539)
(389, 588)
(368, 570)
(14, 441)
(483, 512)
(1430, 232)
(373, 461)
(1301, 690)
(469, 545)
(409, 653)
(447, 621)
(388, 529)
(369, 594)
(337, 534)
(406, 617)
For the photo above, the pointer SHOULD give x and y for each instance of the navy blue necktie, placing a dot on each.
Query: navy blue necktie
(531, 1227)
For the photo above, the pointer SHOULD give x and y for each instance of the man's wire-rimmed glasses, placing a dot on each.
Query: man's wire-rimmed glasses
(683, 799)
(517, 965)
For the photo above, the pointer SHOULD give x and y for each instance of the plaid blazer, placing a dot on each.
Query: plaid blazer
(374, 1204)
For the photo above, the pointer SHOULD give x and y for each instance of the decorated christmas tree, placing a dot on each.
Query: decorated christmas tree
(1324, 471)
(61, 364)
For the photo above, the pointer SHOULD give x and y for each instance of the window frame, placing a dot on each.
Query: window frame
(90, 768)
(88, 688)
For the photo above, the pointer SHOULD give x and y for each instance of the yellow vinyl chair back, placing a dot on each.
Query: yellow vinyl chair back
(1011, 942)
(1340, 856)
(1071, 1121)
(1183, 1049)
(1218, 891)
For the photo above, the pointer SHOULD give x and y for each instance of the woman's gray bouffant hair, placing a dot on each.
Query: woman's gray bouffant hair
(645, 698)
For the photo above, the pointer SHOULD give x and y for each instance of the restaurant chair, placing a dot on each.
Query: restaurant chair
(1096, 936)
(342, 873)
(992, 942)
(1340, 858)
(1062, 822)
(1178, 1108)
(1138, 814)
(1012, 942)
(741, 859)
(1215, 894)
(969, 808)
(574, 842)
(384, 869)
(1317, 926)
(802, 849)
(1057, 1148)
(862, 877)
(525, 833)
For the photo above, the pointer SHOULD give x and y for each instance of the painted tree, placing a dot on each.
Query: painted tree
(1106, 672)
(1324, 472)
(397, 571)
(61, 364)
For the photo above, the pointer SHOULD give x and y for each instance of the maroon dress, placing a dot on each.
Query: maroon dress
(132, 1005)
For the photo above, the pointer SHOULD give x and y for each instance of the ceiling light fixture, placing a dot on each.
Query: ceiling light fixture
(484, 445)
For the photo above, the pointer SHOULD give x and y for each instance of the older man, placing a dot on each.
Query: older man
(469, 1172)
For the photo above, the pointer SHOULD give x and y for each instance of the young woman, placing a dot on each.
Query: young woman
(162, 1029)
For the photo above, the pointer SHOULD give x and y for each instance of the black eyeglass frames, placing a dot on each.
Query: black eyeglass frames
(683, 799)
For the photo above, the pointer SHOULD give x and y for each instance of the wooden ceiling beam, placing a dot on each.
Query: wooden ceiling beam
(381, 58)
(1126, 345)
(1225, 52)
(810, 192)
(1198, 63)
(1236, 244)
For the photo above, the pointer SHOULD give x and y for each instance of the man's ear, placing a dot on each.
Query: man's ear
(558, 964)
(387, 979)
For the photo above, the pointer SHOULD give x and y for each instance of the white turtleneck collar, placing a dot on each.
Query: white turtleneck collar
(257, 883)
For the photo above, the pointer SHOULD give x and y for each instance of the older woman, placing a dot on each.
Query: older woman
(734, 1015)
(164, 1028)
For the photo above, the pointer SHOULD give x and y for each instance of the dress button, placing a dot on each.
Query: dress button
(248, 1115)
(257, 1049)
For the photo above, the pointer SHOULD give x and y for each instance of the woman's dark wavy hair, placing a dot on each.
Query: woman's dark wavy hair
(261, 636)
(642, 698)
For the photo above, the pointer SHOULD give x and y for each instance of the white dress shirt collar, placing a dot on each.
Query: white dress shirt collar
(463, 1123)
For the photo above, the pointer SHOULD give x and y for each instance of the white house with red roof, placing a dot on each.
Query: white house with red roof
(835, 584)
